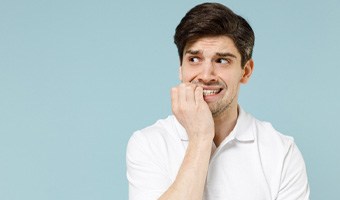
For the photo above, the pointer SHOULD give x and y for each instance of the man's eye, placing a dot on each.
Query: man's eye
(222, 61)
(194, 59)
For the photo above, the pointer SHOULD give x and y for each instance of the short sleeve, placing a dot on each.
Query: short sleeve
(294, 181)
(145, 172)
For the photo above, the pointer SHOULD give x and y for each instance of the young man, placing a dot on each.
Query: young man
(211, 148)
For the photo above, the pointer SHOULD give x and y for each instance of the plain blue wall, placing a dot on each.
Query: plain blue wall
(78, 77)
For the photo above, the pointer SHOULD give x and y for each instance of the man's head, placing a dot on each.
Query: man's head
(213, 19)
(215, 47)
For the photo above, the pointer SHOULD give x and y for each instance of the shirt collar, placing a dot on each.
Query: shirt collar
(243, 130)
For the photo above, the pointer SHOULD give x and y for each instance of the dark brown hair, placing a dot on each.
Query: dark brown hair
(214, 19)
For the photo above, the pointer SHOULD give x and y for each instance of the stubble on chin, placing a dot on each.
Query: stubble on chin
(220, 107)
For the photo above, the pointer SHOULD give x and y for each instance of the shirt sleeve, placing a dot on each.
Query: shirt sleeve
(146, 174)
(294, 181)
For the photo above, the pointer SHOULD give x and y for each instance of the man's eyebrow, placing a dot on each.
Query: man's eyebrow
(193, 52)
(221, 54)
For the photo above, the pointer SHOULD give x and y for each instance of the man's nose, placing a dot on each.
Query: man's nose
(207, 73)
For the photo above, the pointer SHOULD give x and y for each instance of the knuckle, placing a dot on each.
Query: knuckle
(182, 85)
(174, 108)
(174, 89)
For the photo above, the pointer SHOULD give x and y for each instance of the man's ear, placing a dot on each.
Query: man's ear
(180, 73)
(247, 71)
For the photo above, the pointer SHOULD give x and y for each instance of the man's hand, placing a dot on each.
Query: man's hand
(192, 111)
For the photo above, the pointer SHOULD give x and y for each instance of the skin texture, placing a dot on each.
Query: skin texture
(210, 64)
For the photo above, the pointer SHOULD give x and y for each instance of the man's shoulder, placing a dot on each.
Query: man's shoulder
(162, 129)
(267, 135)
(158, 142)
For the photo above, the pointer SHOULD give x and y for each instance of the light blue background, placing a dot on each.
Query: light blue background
(78, 77)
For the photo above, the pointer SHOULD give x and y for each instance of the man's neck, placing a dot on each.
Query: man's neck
(225, 123)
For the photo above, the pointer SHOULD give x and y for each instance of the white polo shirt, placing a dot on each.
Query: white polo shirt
(255, 162)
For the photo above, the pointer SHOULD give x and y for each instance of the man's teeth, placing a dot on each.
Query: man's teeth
(210, 92)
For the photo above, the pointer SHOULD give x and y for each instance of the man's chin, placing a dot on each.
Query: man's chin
(213, 108)
(216, 109)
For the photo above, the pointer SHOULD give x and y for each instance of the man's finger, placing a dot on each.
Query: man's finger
(182, 94)
(199, 95)
(174, 99)
(190, 93)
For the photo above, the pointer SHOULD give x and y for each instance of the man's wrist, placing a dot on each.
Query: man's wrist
(204, 143)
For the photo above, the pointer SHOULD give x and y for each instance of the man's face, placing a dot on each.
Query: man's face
(215, 64)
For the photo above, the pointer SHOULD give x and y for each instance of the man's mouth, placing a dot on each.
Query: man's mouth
(211, 92)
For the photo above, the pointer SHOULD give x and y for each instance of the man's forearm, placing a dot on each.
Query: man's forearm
(193, 113)
(191, 177)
